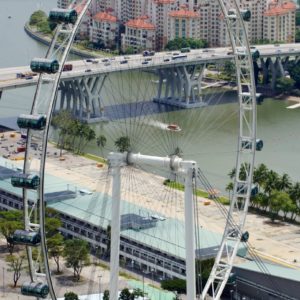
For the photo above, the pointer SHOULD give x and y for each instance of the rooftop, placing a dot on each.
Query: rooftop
(104, 16)
(140, 23)
(184, 13)
(281, 9)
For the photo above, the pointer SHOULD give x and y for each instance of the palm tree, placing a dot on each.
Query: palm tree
(101, 142)
(260, 175)
(271, 182)
(284, 183)
(229, 188)
(294, 194)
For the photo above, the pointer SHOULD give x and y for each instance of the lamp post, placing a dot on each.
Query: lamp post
(100, 276)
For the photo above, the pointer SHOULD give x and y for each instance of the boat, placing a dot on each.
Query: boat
(173, 127)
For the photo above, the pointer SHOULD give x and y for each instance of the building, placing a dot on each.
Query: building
(184, 23)
(104, 29)
(279, 22)
(149, 242)
(139, 35)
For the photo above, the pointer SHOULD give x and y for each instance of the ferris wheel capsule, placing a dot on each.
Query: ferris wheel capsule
(35, 289)
(44, 65)
(26, 237)
(35, 122)
(65, 16)
(26, 181)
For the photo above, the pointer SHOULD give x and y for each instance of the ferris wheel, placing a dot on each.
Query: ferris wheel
(146, 137)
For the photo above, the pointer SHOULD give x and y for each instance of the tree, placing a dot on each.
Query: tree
(108, 240)
(260, 175)
(178, 43)
(125, 295)
(123, 143)
(294, 71)
(284, 183)
(71, 296)
(271, 181)
(294, 194)
(55, 246)
(284, 84)
(76, 254)
(176, 284)
(106, 295)
(37, 17)
(129, 50)
(229, 70)
(276, 200)
(51, 226)
(101, 141)
(10, 221)
(229, 188)
(15, 264)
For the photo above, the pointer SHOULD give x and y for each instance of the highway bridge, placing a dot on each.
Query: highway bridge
(179, 76)
(82, 68)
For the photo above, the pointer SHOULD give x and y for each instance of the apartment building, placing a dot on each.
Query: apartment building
(279, 21)
(183, 23)
(105, 29)
(139, 34)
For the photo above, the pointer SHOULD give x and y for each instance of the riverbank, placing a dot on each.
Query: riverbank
(33, 33)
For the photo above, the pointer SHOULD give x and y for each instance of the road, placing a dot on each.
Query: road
(99, 66)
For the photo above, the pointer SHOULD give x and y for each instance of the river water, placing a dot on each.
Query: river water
(208, 135)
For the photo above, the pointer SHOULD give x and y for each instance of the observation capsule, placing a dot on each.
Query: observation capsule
(35, 122)
(245, 14)
(60, 15)
(245, 237)
(26, 237)
(35, 289)
(44, 65)
(248, 145)
(255, 54)
(26, 181)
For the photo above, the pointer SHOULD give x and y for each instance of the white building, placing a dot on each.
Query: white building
(104, 29)
(139, 34)
(279, 22)
(184, 23)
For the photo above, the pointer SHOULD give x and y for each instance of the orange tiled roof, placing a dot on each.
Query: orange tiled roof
(163, 1)
(280, 9)
(184, 13)
(140, 23)
(104, 16)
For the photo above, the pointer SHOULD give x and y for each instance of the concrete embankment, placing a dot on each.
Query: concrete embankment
(47, 41)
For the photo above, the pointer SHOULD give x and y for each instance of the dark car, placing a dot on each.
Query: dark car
(123, 61)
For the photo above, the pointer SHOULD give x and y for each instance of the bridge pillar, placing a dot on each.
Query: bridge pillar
(182, 86)
(1, 94)
(82, 98)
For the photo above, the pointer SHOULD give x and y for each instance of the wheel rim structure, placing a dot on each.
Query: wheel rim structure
(43, 105)
(245, 154)
(239, 202)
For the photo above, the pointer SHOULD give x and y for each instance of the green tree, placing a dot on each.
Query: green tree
(125, 295)
(55, 245)
(178, 43)
(10, 221)
(108, 240)
(176, 284)
(229, 70)
(106, 295)
(51, 226)
(16, 265)
(129, 50)
(271, 181)
(294, 71)
(284, 84)
(123, 143)
(229, 188)
(71, 296)
(294, 194)
(276, 201)
(284, 183)
(101, 141)
(76, 254)
(260, 175)
(37, 17)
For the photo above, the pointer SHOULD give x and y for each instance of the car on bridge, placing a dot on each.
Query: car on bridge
(123, 62)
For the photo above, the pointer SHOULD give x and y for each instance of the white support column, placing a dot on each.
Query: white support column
(115, 233)
(189, 235)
